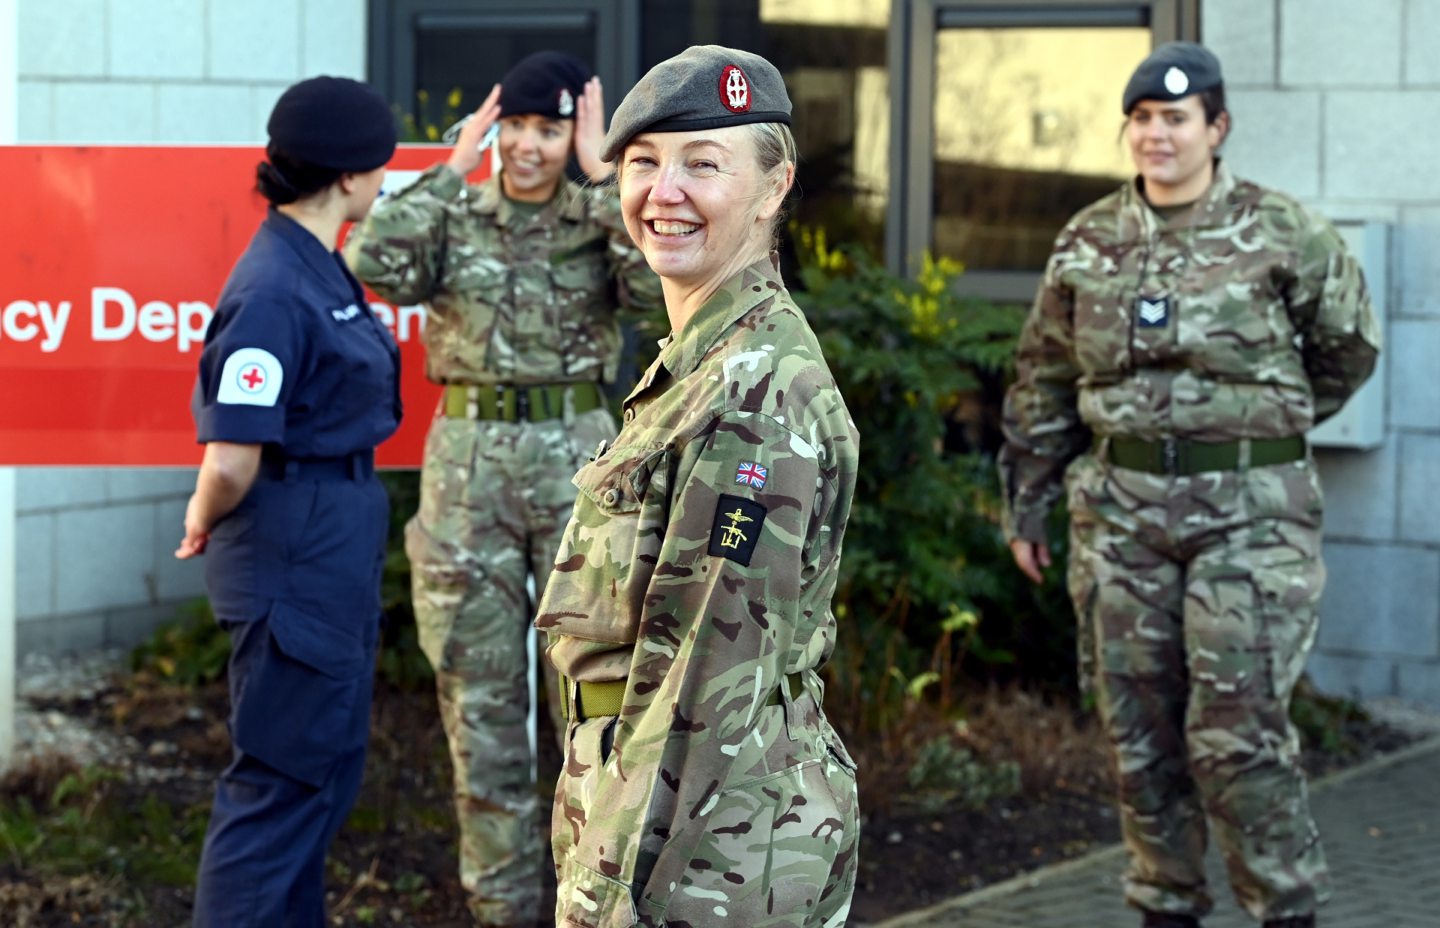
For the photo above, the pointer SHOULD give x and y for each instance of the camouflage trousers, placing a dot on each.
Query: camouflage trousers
(494, 501)
(1198, 603)
(779, 848)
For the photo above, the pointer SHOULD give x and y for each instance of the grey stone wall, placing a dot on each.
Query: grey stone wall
(1338, 103)
(94, 564)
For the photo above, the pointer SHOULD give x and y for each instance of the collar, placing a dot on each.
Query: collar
(316, 256)
(726, 306)
(1140, 220)
(567, 204)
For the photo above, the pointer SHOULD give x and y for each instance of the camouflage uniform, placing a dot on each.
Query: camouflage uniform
(512, 300)
(1197, 595)
(698, 569)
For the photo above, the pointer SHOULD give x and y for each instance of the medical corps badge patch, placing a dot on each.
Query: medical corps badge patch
(250, 377)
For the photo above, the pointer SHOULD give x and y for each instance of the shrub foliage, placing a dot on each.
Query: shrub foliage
(927, 585)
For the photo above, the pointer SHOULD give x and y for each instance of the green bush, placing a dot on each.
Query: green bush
(922, 371)
(191, 651)
(426, 124)
(945, 774)
(90, 824)
(401, 662)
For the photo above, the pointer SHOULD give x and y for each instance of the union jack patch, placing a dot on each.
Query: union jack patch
(752, 475)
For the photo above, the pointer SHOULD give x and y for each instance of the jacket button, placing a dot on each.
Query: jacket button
(612, 496)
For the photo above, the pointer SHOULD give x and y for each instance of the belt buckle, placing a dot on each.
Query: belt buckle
(1170, 455)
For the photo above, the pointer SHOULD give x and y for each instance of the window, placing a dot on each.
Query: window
(423, 50)
(1009, 121)
(832, 54)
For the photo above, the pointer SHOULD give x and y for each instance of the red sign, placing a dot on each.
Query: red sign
(113, 260)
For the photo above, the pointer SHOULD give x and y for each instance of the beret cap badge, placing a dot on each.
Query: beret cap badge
(734, 89)
(566, 104)
(1176, 81)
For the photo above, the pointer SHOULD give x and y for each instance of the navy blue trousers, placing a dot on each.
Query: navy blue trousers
(300, 734)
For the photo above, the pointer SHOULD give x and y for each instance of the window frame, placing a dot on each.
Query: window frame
(393, 25)
(914, 27)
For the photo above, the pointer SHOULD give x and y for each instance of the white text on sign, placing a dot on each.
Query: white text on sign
(116, 315)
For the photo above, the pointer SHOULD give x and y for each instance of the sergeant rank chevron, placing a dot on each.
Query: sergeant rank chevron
(1153, 313)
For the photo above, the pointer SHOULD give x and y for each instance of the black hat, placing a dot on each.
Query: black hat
(1174, 70)
(703, 87)
(545, 83)
(333, 122)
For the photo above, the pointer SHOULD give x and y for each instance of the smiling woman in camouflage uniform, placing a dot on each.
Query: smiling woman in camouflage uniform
(690, 603)
(522, 276)
(1190, 330)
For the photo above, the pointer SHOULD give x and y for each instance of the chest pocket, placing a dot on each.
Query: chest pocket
(1102, 326)
(610, 551)
(1237, 326)
(579, 282)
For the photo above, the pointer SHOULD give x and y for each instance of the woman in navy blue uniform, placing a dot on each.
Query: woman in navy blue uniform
(298, 383)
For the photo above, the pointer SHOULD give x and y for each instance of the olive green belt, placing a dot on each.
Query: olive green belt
(524, 403)
(1180, 457)
(594, 700)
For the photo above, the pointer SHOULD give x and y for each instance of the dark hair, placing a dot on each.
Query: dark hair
(1214, 102)
(282, 179)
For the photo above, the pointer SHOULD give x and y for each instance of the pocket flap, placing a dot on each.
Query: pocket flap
(315, 642)
(617, 482)
(582, 274)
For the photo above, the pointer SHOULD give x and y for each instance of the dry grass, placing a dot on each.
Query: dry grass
(1056, 745)
(76, 899)
(36, 777)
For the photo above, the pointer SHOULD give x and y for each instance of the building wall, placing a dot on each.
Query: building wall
(1338, 106)
(94, 564)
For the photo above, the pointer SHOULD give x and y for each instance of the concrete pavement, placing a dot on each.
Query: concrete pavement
(1380, 823)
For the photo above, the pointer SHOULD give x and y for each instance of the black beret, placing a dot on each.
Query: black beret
(703, 87)
(1174, 70)
(545, 83)
(333, 122)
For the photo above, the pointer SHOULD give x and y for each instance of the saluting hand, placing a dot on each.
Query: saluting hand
(465, 156)
(1031, 557)
(590, 131)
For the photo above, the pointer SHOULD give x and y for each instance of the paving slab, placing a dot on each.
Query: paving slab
(1380, 823)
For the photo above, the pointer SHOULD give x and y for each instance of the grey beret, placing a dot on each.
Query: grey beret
(1174, 70)
(703, 87)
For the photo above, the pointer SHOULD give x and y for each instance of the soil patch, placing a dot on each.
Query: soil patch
(394, 862)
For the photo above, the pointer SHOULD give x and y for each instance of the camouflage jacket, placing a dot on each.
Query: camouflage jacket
(510, 299)
(699, 566)
(1243, 317)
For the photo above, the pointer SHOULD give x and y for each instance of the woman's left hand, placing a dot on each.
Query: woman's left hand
(590, 131)
(197, 534)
